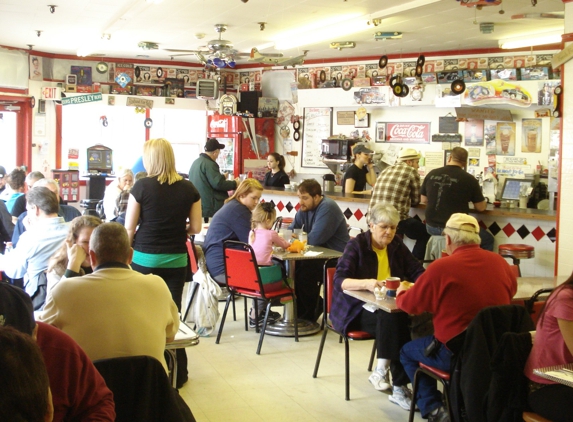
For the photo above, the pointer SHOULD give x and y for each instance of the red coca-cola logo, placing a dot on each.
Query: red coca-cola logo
(408, 131)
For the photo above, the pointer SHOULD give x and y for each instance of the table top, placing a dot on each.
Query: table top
(185, 337)
(296, 256)
(563, 374)
(527, 286)
(386, 304)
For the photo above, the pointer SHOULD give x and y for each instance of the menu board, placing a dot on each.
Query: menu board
(317, 126)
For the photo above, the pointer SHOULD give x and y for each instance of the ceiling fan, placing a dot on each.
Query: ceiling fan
(217, 53)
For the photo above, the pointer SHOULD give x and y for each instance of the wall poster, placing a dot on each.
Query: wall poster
(531, 135)
(317, 126)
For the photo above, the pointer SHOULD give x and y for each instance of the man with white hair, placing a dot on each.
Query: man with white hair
(66, 211)
(399, 185)
(454, 289)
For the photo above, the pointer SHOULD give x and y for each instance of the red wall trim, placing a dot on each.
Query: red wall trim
(567, 37)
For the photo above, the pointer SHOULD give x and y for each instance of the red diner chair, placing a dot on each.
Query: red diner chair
(243, 277)
(535, 304)
(328, 278)
(437, 374)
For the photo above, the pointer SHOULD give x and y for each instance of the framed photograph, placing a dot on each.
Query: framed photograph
(364, 122)
(447, 153)
(344, 118)
(380, 132)
(474, 133)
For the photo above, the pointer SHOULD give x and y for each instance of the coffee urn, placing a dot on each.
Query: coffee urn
(328, 183)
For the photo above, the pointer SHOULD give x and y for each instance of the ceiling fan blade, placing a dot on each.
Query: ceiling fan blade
(175, 50)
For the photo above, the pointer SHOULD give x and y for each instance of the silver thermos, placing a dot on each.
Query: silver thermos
(328, 183)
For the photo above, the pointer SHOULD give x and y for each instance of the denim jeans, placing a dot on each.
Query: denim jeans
(428, 397)
(485, 236)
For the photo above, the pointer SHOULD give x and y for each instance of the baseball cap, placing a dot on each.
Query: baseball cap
(2, 172)
(361, 148)
(16, 309)
(212, 145)
(408, 154)
(464, 222)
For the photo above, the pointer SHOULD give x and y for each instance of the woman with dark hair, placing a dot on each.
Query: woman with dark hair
(24, 380)
(276, 176)
(552, 345)
(360, 172)
(167, 209)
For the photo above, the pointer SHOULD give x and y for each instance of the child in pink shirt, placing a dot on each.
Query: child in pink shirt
(261, 237)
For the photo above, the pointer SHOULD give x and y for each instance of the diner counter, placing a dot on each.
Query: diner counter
(528, 213)
(532, 227)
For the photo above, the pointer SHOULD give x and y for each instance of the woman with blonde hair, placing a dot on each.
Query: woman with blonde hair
(232, 222)
(72, 259)
(168, 209)
(123, 182)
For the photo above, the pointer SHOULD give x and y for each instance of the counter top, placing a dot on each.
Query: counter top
(528, 213)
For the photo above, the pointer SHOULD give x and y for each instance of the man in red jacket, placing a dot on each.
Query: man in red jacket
(454, 289)
(79, 392)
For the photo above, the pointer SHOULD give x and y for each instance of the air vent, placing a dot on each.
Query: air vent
(486, 27)
(207, 89)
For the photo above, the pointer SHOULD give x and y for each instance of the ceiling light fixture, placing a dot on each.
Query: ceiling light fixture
(531, 41)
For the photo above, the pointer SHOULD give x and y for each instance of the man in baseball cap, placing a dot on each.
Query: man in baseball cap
(78, 390)
(454, 289)
(206, 175)
(399, 185)
(212, 145)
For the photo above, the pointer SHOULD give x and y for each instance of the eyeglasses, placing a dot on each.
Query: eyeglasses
(385, 227)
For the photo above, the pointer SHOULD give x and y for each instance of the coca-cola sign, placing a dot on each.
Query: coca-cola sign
(409, 133)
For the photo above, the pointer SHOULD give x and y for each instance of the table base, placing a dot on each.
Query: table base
(283, 328)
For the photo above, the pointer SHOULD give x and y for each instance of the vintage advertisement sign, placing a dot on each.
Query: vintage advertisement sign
(139, 102)
(408, 133)
(81, 99)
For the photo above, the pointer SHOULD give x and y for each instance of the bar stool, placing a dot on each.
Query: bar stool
(516, 251)
(438, 375)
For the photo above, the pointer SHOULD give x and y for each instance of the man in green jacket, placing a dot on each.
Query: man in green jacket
(207, 178)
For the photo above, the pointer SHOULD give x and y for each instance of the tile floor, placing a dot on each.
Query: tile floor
(230, 382)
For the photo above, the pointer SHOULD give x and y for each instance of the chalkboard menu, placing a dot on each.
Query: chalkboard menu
(317, 126)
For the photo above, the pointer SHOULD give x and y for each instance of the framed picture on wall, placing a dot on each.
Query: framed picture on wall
(364, 122)
(447, 154)
(380, 132)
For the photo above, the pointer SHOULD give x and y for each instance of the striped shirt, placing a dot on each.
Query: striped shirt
(398, 185)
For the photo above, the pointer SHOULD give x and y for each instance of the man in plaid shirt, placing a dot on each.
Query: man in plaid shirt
(399, 185)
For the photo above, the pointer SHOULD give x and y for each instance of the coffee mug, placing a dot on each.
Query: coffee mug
(392, 283)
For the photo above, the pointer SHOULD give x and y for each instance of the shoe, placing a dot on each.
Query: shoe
(181, 381)
(380, 379)
(224, 293)
(273, 317)
(402, 396)
(440, 416)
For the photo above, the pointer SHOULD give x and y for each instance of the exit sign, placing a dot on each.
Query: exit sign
(51, 93)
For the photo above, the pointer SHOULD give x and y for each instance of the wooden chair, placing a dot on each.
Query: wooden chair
(328, 277)
(244, 279)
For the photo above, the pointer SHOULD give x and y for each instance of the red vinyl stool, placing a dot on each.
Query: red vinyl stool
(438, 375)
(516, 251)
(533, 417)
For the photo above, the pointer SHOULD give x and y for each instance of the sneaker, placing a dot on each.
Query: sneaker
(402, 396)
(440, 416)
(380, 379)
(273, 317)
(224, 293)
